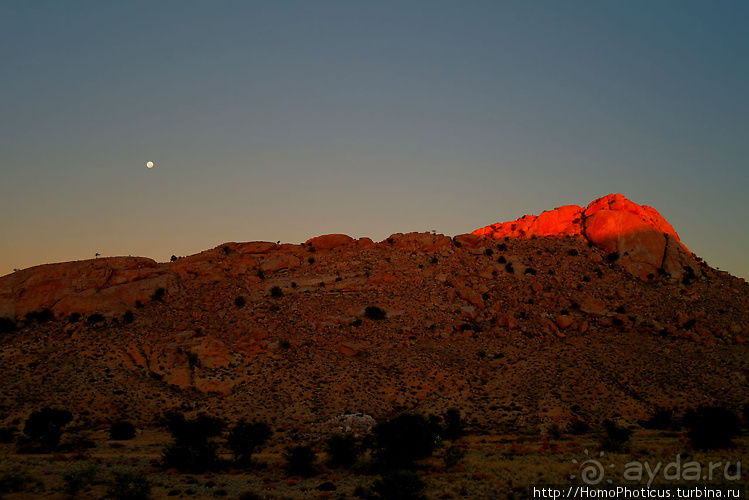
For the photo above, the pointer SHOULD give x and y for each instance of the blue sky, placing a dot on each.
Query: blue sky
(283, 120)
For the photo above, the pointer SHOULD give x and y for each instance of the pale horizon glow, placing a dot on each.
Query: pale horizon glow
(287, 120)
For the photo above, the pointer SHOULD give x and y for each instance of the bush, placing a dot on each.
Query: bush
(245, 438)
(158, 295)
(192, 450)
(342, 449)
(75, 480)
(42, 316)
(128, 486)
(660, 420)
(128, 317)
(399, 485)
(45, 426)
(453, 424)
(712, 427)
(300, 461)
(7, 325)
(453, 455)
(374, 312)
(121, 431)
(240, 301)
(509, 268)
(95, 319)
(616, 437)
(276, 292)
(401, 440)
(74, 318)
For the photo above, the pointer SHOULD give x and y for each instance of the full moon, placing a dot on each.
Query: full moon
(149, 164)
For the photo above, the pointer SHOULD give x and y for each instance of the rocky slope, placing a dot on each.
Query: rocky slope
(577, 314)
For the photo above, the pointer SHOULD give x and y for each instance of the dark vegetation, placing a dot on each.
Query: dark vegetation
(374, 312)
(121, 431)
(43, 429)
(712, 427)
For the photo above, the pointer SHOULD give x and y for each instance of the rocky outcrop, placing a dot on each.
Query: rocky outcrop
(419, 242)
(105, 285)
(635, 235)
(330, 241)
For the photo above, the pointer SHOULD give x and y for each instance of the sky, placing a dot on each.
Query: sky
(283, 120)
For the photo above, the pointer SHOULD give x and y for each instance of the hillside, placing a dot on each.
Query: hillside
(518, 331)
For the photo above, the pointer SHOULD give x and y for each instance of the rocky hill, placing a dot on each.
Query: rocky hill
(575, 314)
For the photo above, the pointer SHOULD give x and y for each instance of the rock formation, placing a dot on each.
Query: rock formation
(636, 235)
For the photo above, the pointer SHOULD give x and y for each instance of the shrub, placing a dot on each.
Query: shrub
(578, 427)
(401, 440)
(45, 426)
(158, 295)
(311, 260)
(572, 252)
(342, 449)
(399, 485)
(276, 292)
(95, 319)
(128, 317)
(712, 427)
(300, 461)
(502, 259)
(453, 424)
(245, 438)
(128, 486)
(374, 312)
(616, 437)
(192, 450)
(488, 252)
(74, 318)
(530, 271)
(453, 455)
(612, 257)
(42, 316)
(659, 420)
(121, 431)
(284, 344)
(173, 258)
(75, 480)
(509, 268)
(240, 301)
(7, 325)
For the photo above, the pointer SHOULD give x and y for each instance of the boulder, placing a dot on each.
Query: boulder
(330, 241)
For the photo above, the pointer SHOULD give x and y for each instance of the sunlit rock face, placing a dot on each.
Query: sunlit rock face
(106, 284)
(635, 235)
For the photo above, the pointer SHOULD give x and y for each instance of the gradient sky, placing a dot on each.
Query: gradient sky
(284, 120)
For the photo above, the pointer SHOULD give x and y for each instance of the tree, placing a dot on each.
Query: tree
(246, 437)
(712, 427)
(121, 431)
(343, 450)
(300, 461)
(192, 450)
(45, 426)
(404, 439)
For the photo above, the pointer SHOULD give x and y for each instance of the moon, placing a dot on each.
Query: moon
(149, 164)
